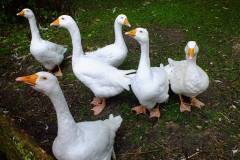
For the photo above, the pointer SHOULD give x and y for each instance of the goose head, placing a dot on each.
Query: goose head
(140, 34)
(44, 82)
(191, 50)
(27, 13)
(64, 21)
(122, 20)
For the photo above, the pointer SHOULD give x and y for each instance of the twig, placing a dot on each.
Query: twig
(68, 57)
(225, 117)
(191, 156)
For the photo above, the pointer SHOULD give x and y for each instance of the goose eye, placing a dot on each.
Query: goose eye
(141, 31)
(44, 78)
(62, 18)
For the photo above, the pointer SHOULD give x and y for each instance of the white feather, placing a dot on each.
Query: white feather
(45, 52)
(186, 77)
(113, 54)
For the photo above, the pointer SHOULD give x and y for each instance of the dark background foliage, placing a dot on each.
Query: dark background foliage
(11, 7)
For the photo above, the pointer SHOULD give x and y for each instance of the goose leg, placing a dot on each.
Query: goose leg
(155, 112)
(196, 103)
(97, 109)
(184, 107)
(139, 109)
(59, 72)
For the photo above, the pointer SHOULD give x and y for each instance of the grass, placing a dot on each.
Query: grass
(214, 130)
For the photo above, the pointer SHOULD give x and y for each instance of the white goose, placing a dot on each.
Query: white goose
(150, 84)
(113, 54)
(49, 54)
(103, 79)
(187, 78)
(90, 140)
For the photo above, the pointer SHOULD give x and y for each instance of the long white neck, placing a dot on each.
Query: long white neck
(144, 66)
(118, 34)
(66, 124)
(76, 42)
(194, 59)
(34, 29)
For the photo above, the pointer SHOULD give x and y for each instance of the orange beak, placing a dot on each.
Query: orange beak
(126, 23)
(131, 33)
(31, 80)
(191, 53)
(20, 13)
(55, 23)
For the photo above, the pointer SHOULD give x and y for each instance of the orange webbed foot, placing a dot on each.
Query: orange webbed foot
(184, 107)
(59, 72)
(96, 101)
(197, 103)
(139, 109)
(155, 113)
(98, 107)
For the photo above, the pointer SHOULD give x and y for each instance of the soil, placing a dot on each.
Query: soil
(164, 139)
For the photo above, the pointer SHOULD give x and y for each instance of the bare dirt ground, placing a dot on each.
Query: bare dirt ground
(210, 133)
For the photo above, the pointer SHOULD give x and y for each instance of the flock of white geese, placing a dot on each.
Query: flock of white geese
(97, 70)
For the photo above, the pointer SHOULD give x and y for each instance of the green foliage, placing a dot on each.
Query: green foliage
(26, 154)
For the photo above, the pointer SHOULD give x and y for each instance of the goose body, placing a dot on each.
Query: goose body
(187, 78)
(94, 141)
(90, 140)
(103, 79)
(49, 54)
(150, 84)
(113, 54)
(150, 91)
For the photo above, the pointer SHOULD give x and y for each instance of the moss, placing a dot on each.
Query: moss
(25, 153)
(18, 145)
